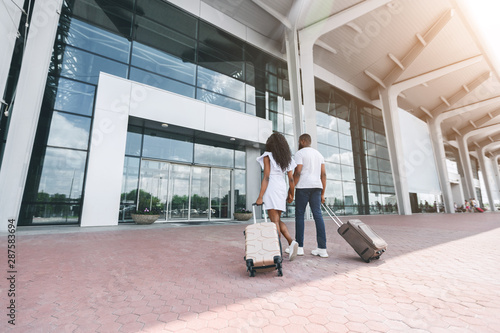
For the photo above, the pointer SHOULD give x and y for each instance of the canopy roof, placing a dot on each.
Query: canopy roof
(430, 50)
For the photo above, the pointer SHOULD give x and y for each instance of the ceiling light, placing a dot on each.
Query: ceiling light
(232, 139)
(164, 125)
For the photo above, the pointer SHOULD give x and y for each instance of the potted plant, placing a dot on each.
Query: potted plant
(242, 214)
(145, 216)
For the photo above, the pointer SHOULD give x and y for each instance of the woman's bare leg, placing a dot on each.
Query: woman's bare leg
(275, 216)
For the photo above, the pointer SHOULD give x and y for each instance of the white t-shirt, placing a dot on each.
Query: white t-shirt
(311, 160)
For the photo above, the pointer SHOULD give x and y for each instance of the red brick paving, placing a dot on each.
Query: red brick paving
(440, 274)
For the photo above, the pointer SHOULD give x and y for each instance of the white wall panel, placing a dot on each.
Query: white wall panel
(105, 169)
(163, 106)
(418, 155)
(231, 123)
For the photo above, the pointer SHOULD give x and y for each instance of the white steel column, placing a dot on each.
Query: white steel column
(440, 157)
(308, 90)
(25, 114)
(486, 176)
(463, 152)
(292, 53)
(496, 172)
(395, 145)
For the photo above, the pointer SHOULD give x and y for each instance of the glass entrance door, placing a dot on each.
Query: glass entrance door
(178, 202)
(183, 192)
(153, 190)
(220, 193)
(199, 193)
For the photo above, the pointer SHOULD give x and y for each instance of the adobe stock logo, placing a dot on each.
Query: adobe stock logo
(381, 19)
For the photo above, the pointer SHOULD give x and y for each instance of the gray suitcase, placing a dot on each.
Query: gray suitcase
(367, 244)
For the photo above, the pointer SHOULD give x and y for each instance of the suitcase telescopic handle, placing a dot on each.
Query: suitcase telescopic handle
(332, 215)
(263, 210)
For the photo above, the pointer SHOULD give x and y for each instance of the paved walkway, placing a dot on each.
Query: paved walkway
(440, 274)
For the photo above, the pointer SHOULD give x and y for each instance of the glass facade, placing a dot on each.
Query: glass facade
(152, 42)
(156, 43)
(351, 137)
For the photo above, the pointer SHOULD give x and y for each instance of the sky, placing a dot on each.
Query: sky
(484, 15)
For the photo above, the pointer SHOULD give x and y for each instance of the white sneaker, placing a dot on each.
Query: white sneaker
(320, 252)
(300, 251)
(292, 250)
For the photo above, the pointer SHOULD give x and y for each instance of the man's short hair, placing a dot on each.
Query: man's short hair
(306, 138)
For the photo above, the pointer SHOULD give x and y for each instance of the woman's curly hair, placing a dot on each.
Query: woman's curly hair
(278, 145)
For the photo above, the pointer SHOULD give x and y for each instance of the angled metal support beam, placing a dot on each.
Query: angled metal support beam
(396, 60)
(488, 141)
(456, 131)
(432, 75)
(464, 109)
(427, 112)
(326, 46)
(316, 30)
(478, 123)
(461, 93)
(375, 78)
(415, 51)
(277, 15)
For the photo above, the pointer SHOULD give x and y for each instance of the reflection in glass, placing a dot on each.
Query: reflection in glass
(334, 195)
(346, 157)
(345, 141)
(240, 197)
(62, 175)
(53, 213)
(69, 131)
(169, 15)
(167, 148)
(220, 100)
(178, 204)
(239, 159)
(95, 40)
(130, 182)
(83, 66)
(221, 84)
(199, 193)
(74, 97)
(153, 188)
(211, 155)
(163, 63)
(161, 82)
(348, 173)
(333, 171)
(220, 193)
(113, 15)
(134, 143)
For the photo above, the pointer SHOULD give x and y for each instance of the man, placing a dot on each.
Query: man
(310, 185)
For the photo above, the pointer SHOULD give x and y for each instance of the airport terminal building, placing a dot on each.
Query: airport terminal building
(114, 106)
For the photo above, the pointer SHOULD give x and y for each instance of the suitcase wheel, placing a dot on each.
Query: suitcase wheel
(251, 273)
(280, 272)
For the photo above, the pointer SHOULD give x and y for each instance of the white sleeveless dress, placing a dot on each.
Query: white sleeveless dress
(276, 192)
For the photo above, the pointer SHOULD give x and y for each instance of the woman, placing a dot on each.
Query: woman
(276, 161)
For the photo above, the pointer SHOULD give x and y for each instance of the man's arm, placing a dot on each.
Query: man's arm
(323, 182)
(296, 174)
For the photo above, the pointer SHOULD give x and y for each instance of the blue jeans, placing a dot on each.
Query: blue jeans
(303, 196)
